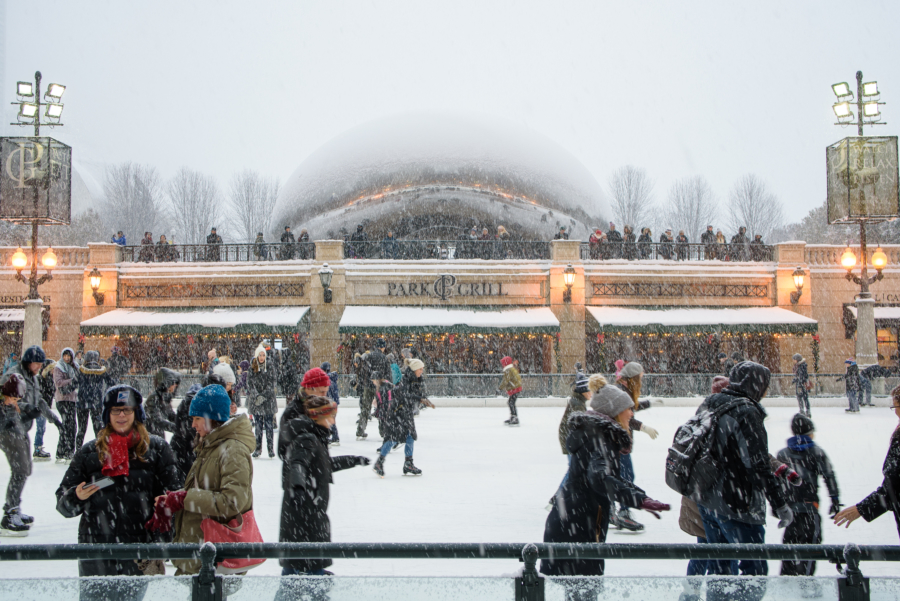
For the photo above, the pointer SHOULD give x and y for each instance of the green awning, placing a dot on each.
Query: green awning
(198, 321)
(761, 320)
(436, 320)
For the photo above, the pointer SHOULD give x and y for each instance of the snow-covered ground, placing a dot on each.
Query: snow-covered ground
(485, 482)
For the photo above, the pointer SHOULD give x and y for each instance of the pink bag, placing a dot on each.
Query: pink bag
(242, 529)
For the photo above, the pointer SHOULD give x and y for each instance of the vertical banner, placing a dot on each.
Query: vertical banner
(862, 180)
(35, 181)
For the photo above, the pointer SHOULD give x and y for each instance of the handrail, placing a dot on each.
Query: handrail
(672, 251)
(199, 253)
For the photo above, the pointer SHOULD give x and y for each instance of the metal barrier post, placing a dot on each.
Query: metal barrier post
(530, 586)
(207, 586)
(853, 586)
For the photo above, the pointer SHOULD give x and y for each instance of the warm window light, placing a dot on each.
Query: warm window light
(848, 259)
(28, 110)
(870, 109)
(54, 111)
(24, 88)
(841, 90)
(870, 89)
(879, 259)
(55, 91)
(19, 260)
(842, 109)
(798, 278)
(49, 259)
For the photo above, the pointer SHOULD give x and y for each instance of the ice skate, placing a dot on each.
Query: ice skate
(40, 454)
(409, 469)
(26, 519)
(512, 421)
(623, 521)
(335, 443)
(256, 453)
(12, 525)
(63, 460)
(378, 468)
(361, 436)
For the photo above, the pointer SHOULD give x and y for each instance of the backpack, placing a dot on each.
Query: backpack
(691, 466)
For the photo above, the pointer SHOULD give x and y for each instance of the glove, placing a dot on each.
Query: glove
(652, 433)
(360, 460)
(165, 509)
(835, 507)
(785, 515)
(652, 506)
(56, 420)
(789, 474)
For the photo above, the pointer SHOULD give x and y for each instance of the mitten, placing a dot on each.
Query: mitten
(785, 515)
(793, 478)
(651, 432)
(360, 460)
(652, 506)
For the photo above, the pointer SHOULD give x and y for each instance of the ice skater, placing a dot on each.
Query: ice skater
(801, 384)
(398, 408)
(512, 384)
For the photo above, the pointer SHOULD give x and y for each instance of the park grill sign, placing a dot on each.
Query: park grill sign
(35, 181)
(445, 287)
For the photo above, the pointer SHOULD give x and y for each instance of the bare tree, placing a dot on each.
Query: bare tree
(195, 203)
(753, 206)
(691, 206)
(133, 199)
(85, 227)
(631, 190)
(252, 201)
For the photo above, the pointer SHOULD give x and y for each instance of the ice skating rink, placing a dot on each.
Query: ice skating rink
(486, 482)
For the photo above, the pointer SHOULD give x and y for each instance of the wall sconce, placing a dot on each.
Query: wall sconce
(325, 277)
(95, 276)
(569, 279)
(798, 282)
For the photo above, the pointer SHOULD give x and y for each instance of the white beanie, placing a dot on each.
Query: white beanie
(415, 364)
(223, 370)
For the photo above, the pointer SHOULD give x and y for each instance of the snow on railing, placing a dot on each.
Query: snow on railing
(66, 256)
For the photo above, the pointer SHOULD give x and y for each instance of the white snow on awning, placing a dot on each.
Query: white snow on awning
(12, 314)
(882, 312)
(207, 318)
(625, 317)
(369, 317)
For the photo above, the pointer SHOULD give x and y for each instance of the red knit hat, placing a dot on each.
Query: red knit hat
(506, 361)
(719, 383)
(315, 378)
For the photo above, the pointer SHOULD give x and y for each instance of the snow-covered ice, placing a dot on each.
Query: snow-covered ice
(485, 482)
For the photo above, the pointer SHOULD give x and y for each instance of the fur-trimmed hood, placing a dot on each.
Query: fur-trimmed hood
(585, 425)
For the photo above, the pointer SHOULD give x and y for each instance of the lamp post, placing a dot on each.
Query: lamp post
(325, 275)
(798, 276)
(569, 280)
(96, 277)
(30, 101)
(867, 103)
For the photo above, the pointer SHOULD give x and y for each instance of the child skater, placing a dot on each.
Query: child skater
(512, 384)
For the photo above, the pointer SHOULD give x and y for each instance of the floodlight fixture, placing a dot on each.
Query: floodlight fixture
(55, 91)
(54, 111)
(25, 89)
(870, 109)
(28, 110)
(842, 90)
(842, 110)
(870, 88)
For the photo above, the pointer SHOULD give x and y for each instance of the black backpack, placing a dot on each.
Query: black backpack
(692, 466)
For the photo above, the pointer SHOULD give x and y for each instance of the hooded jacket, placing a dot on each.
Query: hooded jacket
(160, 415)
(397, 414)
(30, 406)
(64, 378)
(218, 485)
(261, 387)
(742, 445)
(93, 380)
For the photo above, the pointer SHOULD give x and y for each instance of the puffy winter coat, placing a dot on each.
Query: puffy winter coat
(582, 507)
(158, 408)
(93, 380)
(182, 441)
(261, 383)
(742, 445)
(809, 461)
(511, 382)
(117, 513)
(64, 378)
(397, 410)
(218, 485)
(887, 496)
(801, 375)
(30, 406)
(576, 403)
(306, 478)
(379, 366)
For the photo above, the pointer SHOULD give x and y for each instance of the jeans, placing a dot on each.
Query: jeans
(267, 423)
(853, 397)
(388, 445)
(721, 530)
(626, 468)
(41, 422)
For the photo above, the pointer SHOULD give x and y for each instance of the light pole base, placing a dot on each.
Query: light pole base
(33, 328)
(866, 341)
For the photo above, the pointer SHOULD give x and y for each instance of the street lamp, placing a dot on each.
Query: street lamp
(96, 277)
(569, 279)
(325, 275)
(798, 276)
(20, 261)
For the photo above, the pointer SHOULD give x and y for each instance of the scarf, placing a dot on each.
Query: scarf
(800, 443)
(117, 462)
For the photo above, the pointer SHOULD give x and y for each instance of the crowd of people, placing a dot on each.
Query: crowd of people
(713, 245)
(129, 485)
(164, 249)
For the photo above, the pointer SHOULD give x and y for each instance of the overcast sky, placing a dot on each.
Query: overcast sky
(714, 89)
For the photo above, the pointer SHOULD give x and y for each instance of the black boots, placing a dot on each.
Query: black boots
(409, 469)
(40, 454)
(378, 468)
(13, 525)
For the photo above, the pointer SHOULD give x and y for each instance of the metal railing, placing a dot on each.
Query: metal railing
(672, 251)
(414, 250)
(199, 253)
(207, 585)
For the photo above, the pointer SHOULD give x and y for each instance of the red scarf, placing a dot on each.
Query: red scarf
(117, 462)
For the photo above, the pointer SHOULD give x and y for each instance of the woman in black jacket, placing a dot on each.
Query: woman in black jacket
(397, 408)
(141, 467)
(887, 496)
(582, 507)
(306, 477)
(93, 380)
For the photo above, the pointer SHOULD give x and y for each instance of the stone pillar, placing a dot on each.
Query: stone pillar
(570, 314)
(324, 318)
(866, 343)
(33, 328)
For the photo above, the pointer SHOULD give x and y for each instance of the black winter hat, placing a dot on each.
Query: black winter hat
(123, 396)
(801, 425)
(581, 384)
(380, 343)
(34, 354)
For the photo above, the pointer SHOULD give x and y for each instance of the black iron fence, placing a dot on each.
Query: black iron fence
(671, 251)
(414, 250)
(529, 586)
(199, 253)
